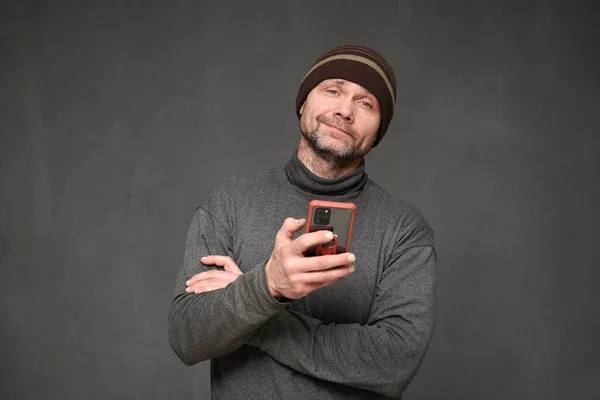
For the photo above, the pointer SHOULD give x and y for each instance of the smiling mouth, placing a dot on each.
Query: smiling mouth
(336, 128)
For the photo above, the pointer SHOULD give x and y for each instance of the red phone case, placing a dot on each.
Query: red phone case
(334, 216)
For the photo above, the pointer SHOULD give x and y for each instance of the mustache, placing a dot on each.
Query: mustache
(336, 122)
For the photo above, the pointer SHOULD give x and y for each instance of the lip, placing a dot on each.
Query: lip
(335, 127)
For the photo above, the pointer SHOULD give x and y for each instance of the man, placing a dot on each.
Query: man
(277, 324)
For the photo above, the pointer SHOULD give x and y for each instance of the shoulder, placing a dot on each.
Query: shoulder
(391, 205)
(407, 221)
(241, 188)
(245, 183)
(225, 199)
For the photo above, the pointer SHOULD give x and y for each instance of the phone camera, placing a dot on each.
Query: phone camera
(322, 216)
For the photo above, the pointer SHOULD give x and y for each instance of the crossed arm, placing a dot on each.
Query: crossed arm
(252, 298)
(381, 356)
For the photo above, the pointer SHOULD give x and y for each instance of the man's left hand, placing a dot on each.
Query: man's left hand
(215, 279)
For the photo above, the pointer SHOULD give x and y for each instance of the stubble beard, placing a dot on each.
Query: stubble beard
(317, 140)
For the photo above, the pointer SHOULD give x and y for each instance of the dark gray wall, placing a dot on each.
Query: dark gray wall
(116, 117)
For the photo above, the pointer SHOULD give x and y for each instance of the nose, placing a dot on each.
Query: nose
(345, 110)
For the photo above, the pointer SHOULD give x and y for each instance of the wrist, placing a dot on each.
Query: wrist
(270, 282)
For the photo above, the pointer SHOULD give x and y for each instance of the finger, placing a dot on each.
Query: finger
(320, 285)
(315, 283)
(328, 276)
(206, 275)
(204, 288)
(232, 267)
(222, 261)
(289, 227)
(320, 263)
(303, 242)
(214, 283)
(215, 260)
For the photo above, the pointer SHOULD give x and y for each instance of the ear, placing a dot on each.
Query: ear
(302, 108)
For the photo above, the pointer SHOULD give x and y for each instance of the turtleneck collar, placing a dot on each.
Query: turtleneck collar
(302, 177)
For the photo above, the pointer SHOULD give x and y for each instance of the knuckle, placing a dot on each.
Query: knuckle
(324, 259)
(322, 262)
(301, 240)
(329, 276)
(289, 264)
(295, 280)
(309, 239)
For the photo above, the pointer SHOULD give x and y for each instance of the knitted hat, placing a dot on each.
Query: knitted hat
(358, 64)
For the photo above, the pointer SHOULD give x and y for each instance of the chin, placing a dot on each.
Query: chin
(335, 152)
(336, 148)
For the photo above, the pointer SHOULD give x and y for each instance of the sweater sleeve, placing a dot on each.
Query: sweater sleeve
(381, 356)
(212, 324)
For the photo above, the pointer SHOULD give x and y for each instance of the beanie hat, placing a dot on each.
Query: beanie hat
(358, 64)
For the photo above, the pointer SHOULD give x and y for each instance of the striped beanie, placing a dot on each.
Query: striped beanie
(358, 64)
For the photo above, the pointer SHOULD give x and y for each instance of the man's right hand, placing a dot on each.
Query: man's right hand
(291, 275)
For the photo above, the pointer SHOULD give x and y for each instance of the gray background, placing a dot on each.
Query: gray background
(116, 118)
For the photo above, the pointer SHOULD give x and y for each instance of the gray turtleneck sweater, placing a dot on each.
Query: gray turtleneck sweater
(362, 337)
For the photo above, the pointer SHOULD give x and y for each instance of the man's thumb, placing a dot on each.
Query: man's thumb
(289, 227)
(233, 268)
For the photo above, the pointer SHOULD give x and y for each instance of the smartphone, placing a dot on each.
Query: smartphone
(332, 216)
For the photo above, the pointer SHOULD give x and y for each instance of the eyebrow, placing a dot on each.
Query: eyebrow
(366, 92)
(340, 82)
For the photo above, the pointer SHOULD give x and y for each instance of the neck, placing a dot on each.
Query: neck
(321, 167)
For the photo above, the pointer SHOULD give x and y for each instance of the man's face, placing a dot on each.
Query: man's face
(340, 120)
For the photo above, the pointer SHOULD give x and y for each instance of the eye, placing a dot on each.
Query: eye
(332, 91)
(366, 104)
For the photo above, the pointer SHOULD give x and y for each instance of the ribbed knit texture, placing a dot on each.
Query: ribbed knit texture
(301, 176)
